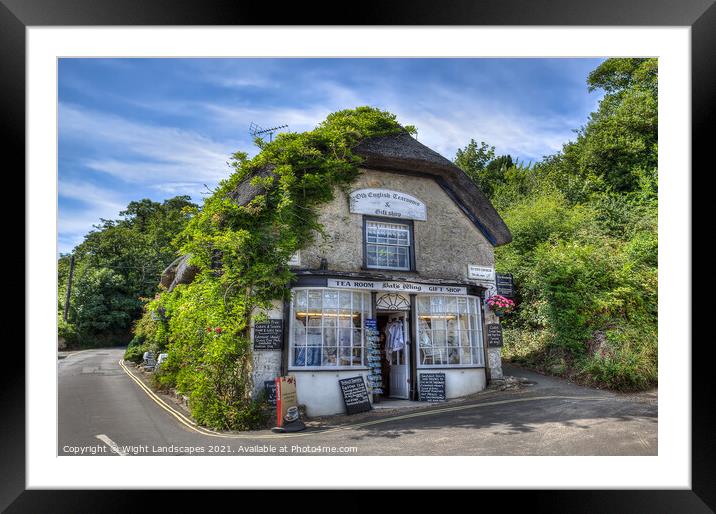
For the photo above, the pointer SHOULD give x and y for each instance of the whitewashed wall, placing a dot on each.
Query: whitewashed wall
(459, 382)
(319, 390)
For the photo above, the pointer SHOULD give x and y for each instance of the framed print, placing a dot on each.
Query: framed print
(222, 199)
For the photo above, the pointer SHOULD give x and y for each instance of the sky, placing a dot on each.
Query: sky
(156, 128)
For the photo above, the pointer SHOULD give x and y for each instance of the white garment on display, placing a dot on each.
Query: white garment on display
(396, 340)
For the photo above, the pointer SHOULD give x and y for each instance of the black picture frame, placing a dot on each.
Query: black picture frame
(699, 15)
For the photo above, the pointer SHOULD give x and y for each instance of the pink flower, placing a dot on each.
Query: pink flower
(218, 330)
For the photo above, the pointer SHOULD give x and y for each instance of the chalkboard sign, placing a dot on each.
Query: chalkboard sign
(505, 285)
(432, 387)
(268, 335)
(494, 335)
(270, 387)
(355, 394)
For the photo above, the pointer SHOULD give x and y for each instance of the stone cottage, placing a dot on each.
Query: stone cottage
(409, 253)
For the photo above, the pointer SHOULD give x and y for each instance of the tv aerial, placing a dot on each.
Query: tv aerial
(258, 131)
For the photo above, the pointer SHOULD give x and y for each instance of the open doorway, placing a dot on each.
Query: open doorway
(394, 330)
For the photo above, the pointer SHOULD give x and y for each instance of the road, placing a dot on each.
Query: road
(102, 411)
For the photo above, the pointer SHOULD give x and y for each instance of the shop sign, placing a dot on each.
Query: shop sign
(480, 272)
(505, 285)
(270, 388)
(432, 387)
(268, 335)
(355, 394)
(405, 287)
(388, 203)
(295, 259)
(494, 335)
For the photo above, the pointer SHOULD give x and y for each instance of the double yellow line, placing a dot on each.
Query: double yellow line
(191, 425)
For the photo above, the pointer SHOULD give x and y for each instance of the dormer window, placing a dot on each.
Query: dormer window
(388, 245)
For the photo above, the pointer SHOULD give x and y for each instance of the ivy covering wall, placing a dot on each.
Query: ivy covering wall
(204, 325)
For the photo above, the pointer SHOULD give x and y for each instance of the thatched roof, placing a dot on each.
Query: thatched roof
(178, 272)
(404, 154)
(245, 191)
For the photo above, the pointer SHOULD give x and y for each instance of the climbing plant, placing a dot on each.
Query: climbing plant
(206, 322)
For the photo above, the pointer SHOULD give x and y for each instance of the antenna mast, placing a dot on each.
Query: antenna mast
(257, 131)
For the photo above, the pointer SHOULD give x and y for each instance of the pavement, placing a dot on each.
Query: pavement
(107, 409)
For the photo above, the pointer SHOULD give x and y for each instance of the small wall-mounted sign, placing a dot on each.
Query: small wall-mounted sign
(505, 285)
(268, 335)
(388, 203)
(494, 335)
(295, 259)
(480, 272)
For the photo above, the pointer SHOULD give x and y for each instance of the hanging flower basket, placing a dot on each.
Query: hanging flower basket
(500, 305)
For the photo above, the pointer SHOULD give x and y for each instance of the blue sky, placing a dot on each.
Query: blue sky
(156, 128)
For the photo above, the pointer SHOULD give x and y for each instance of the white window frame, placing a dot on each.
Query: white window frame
(479, 349)
(409, 247)
(291, 341)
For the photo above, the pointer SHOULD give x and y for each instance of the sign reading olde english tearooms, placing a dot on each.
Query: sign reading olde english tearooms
(388, 203)
(268, 335)
(494, 335)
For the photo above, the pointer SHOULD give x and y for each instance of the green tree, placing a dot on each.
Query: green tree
(616, 151)
(119, 262)
(481, 165)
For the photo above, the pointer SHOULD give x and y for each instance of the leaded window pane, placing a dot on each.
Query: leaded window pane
(327, 327)
(387, 245)
(448, 330)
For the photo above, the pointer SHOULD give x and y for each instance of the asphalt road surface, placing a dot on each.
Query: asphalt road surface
(102, 411)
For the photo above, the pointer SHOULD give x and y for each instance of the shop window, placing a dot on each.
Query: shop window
(449, 331)
(327, 328)
(388, 245)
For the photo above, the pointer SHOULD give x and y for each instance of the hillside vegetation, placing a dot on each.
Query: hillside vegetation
(117, 264)
(585, 250)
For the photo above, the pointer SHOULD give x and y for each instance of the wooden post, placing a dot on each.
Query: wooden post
(69, 288)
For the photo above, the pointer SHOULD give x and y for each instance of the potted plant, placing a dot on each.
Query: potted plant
(500, 305)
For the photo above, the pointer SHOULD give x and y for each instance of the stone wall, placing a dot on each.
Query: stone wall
(444, 244)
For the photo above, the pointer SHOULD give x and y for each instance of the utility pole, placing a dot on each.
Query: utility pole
(69, 288)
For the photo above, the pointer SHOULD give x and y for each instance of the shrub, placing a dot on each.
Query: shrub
(67, 331)
(135, 350)
(134, 354)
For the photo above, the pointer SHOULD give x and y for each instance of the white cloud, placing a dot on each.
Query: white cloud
(140, 153)
(76, 221)
(452, 119)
